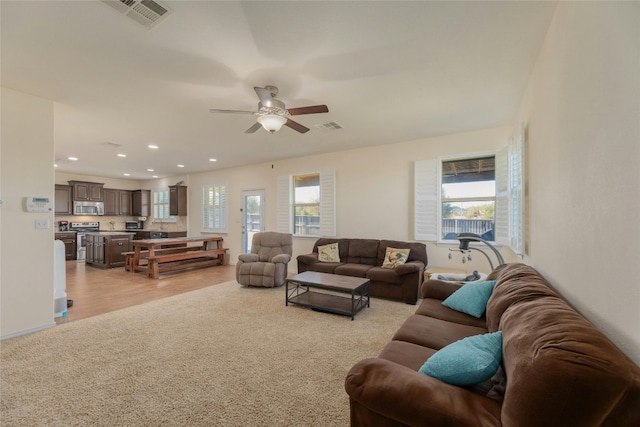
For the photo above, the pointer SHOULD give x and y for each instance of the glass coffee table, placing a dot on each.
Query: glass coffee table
(332, 293)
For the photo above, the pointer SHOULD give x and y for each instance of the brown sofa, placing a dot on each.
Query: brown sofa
(364, 257)
(559, 370)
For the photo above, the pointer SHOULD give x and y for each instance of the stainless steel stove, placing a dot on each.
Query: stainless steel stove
(82, 228)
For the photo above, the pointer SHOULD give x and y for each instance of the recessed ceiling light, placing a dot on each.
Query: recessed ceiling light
(126, 174)
(122, 155)
(154, 176)
(213, 160)
(55, 165)
(73, 159)
(180, 166)
(149, 170)
(153, 147)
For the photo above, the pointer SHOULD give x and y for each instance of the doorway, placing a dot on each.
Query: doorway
(253, 222)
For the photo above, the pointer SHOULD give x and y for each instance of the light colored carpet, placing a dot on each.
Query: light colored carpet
(219, 356)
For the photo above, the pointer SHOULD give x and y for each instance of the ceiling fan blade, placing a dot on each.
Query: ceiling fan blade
(265, 96)
(296, 126)
(313, 109)
(253, 128)
(215, 110)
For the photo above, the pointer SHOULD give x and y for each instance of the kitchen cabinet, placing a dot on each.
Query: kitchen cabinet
(69, 240)
(125, 207)
(140, 202)
(105, 249)
(63, 200)
(117, 202)
(87, 191)
(177, 200)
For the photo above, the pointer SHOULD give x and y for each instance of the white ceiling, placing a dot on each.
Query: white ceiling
(388, 71)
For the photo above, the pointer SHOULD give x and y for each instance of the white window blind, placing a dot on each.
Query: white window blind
(426, 212)
(502, 198)
(214, 209)
(516, 152)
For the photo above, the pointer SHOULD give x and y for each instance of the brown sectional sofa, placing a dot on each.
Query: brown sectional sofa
(364, 257)
(559, 370)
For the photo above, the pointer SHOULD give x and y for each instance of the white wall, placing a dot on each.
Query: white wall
(26, 254)
(374, 190)
(583, 113)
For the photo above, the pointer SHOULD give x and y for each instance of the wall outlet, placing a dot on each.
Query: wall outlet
(42, 224)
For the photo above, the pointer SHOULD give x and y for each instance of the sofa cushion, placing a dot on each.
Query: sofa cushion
(379, 274)
(434, 333)
(514, 283)
(406, 354)
(328, 253)
(355, 270)
(471, 298)
(434, 308)
(394, 257)
(324, 267)
(468, 361)
(363, 251)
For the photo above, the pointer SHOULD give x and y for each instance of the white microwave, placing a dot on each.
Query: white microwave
(88, 208)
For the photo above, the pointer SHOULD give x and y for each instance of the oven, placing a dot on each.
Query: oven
(81, 229)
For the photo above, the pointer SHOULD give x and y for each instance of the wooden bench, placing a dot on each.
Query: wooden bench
(193, 257)
(128, 256)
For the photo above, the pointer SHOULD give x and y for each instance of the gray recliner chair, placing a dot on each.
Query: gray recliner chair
(267, 263)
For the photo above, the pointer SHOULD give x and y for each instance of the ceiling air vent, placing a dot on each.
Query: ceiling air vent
(329, 126)
(147, 13)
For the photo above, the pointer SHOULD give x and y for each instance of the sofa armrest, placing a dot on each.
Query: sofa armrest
(281, 258)
(409, 267)
(408, 397)
(249, 257)
(438, 289)
(308, 259)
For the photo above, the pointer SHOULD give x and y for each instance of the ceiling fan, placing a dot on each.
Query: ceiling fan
(272, 113)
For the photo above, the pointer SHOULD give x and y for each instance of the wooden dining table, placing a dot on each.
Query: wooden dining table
(175, 247)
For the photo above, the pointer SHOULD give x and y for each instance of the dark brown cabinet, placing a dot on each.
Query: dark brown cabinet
(63, 200)
(111, 202)
(69, 240)
(87, 191)
(125, 207)
(105, 250)
(140, 201)
(117, 202)
(177, 200)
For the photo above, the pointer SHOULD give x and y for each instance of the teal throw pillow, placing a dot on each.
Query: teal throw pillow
(471, 360)
(471, 298)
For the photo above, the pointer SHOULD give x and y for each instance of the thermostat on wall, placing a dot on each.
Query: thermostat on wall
(37, 204)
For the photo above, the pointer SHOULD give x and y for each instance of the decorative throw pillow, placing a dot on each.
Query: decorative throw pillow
(468, 361)
(329, 253)
(471, 298)
(394, 257)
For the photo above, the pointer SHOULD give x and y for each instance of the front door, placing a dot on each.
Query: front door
(253, 209)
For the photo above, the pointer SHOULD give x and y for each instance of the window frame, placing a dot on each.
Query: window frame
(442, 200)
(510, 209)
(222, 206)
(327, 208)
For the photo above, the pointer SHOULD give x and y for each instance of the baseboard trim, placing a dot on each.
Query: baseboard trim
(27, 331)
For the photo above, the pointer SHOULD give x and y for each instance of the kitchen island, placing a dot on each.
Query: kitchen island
(105, 248)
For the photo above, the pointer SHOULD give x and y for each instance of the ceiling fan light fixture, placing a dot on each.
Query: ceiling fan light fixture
(272, 122)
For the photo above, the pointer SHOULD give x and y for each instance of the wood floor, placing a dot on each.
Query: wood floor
(95, 291)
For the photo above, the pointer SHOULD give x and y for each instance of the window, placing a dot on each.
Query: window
(468, 197)
(161, 206)
(214, 209)
(306, 204)
(483, 194)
